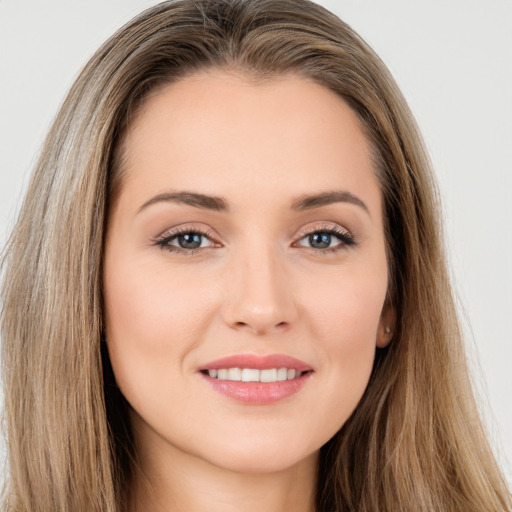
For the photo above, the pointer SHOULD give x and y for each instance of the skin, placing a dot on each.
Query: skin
(256, 286)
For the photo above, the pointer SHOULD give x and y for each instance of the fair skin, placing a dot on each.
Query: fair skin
(266, 276)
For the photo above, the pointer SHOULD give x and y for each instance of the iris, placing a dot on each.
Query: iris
(190, 240)
(320, 240)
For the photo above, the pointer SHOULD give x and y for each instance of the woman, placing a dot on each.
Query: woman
(235, 294)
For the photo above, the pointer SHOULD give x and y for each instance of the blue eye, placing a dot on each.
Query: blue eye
(185, 241)
(327, 240)
(320, 240)
(189, 240)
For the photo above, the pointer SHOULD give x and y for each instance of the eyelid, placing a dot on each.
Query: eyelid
(164, 238)
(343, 234)
(323, 227)
(346, 238)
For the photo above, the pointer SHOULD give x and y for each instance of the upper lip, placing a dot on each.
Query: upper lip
(258, 362)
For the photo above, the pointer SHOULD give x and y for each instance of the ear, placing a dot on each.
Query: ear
(387, 325)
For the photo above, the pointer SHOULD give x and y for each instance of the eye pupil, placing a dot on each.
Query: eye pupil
(320, 240)
(190, 240)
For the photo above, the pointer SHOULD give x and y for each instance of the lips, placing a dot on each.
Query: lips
(258, 362)
(257, 380)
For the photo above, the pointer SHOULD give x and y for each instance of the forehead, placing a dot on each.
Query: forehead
(223, 134)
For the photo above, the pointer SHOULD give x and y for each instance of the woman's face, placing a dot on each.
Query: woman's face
(248, 227)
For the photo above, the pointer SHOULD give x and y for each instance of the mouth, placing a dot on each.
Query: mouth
(253, 374)
(257, 380)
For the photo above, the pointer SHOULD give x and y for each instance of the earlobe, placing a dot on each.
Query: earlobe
(387, 326)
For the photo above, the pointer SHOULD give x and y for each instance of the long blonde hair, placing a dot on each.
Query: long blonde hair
(414, 443)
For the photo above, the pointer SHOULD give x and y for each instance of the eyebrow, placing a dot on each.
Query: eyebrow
(191, 198)
(308, 202)
(218, 204)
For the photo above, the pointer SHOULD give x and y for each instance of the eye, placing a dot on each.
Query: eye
(185, 240)
(327, 239)
(189, 240)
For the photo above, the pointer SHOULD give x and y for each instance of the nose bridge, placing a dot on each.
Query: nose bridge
(260, 297)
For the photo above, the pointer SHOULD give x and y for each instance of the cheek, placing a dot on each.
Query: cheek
(152, 322)
(150, 305)
(346, 311)
(345, 319)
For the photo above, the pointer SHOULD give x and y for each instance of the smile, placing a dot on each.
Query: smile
(256, 379)
(255, 375)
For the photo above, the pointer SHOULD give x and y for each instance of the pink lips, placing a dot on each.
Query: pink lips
(258, 362)
(257, 393)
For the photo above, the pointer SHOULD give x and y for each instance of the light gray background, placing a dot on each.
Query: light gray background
(453, 61)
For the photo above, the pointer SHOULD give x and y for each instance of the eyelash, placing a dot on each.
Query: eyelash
(165, 240)
(346, 239)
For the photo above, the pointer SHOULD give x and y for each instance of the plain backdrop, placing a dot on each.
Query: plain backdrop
(453, 61)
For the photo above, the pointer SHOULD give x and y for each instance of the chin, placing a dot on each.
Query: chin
(266, 456)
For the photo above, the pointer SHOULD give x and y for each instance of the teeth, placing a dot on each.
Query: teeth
(254, 375)
(234, 374)
(250, 375)
(282, 374)
(268, 375)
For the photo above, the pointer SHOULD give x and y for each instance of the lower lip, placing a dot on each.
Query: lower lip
(257, 393)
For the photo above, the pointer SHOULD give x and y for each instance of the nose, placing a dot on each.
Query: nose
(259, 293)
